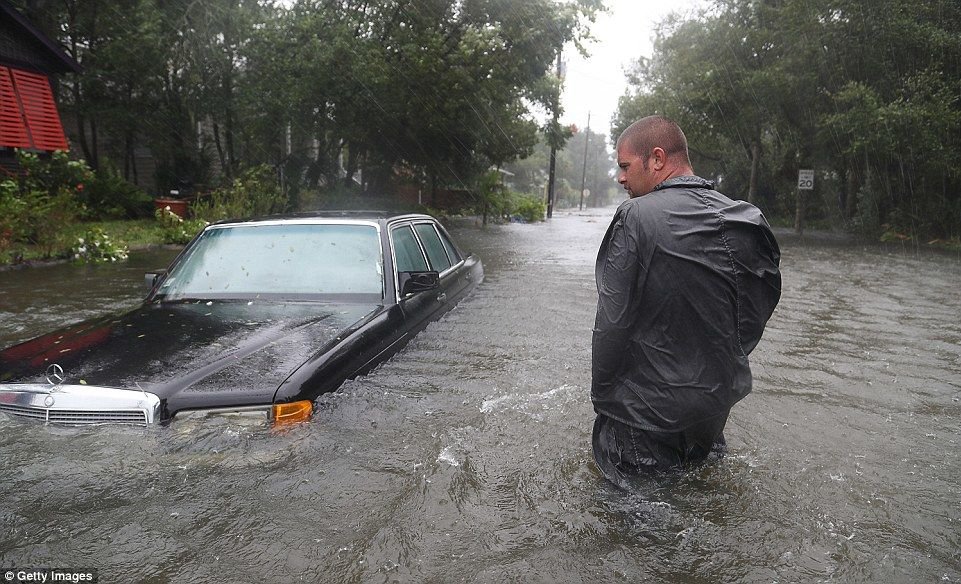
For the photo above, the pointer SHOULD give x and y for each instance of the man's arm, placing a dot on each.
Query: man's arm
(618, 263)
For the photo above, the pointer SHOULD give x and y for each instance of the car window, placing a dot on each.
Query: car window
(279, 259)
(408, 254)
(436, 253)
(451, 250)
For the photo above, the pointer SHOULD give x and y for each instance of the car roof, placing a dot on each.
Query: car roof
(377, 216)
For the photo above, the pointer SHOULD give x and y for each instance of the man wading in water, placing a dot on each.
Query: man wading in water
(686, 280)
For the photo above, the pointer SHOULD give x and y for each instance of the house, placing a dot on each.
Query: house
(29, 60)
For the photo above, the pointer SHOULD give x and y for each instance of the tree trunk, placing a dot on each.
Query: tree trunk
(851, 187)
(94, 160)
(755, 163)
(229, 130)
(799, 213)
(132, 156)
(351, 167)
(221, 156)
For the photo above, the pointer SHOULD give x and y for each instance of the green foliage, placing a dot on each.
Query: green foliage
(109, 196)
(530, 175)
(500, 203)
(440, 90)
(175, 229)
(37, 204)
(97, 247)
(868, 97)
(254, 193)
(12, 214)
(529, 207)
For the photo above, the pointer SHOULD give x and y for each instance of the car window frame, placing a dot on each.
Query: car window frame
(393, 250)
(446, 238)
(409, 223)
(440, 238)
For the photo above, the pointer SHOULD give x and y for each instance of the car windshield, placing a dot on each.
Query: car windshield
(289, 260)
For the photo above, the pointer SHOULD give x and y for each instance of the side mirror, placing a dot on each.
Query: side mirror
(150, 279)
(414, 282)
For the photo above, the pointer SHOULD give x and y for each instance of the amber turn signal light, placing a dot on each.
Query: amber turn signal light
(293, 412)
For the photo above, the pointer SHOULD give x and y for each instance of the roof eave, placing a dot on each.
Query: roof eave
(70, 65)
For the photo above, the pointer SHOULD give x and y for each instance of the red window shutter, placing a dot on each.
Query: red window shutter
(13, 132)
(39, 110)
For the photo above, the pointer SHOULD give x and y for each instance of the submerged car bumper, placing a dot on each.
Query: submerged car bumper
(79, 404)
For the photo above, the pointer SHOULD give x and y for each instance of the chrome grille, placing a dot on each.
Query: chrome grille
(97, 417)
(79, 405)
(77, 416)
(24, 412)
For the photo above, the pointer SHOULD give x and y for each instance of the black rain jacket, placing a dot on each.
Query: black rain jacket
(686, 280)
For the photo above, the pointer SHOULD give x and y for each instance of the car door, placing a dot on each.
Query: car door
(444, 259)
(409, 256)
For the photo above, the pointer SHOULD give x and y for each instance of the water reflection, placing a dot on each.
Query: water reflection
(467, 456)
(37, 299)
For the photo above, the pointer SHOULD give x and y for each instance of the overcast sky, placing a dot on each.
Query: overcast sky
(623, 34)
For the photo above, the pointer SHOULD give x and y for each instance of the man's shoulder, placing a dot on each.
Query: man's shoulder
(637, 208)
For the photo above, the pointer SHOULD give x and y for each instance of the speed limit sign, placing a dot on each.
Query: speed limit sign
(805, 180)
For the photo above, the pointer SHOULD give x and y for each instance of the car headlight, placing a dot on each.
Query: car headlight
(276, 414)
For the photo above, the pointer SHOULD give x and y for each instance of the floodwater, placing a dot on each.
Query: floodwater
(466, 458)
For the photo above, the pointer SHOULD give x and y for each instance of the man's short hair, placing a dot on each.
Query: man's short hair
(655, 132)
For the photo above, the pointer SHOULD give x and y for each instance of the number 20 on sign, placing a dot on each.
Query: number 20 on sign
(805, 180)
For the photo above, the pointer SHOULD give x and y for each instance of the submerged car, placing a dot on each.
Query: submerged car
(254, 317)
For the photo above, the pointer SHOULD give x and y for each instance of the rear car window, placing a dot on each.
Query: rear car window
(436, 252)
(451, 250)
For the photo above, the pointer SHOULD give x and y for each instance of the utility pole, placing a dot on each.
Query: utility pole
(587, 141)
(553, 139)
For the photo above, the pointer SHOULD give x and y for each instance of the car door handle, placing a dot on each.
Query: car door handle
(441, 297)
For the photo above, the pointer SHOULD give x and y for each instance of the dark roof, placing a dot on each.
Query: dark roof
(56, 60)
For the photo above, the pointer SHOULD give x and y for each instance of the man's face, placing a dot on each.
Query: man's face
(634, 173)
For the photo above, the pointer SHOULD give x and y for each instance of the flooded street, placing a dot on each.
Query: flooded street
(466, 458)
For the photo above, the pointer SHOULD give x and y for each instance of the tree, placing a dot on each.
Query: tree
(530, 176)
(431, 90)
(868, 94)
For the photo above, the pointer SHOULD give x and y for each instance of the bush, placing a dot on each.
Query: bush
(109, 196)
(528, 207)
(96, 247)
(39, 202)
(12, 214)
(177, 230)
(256, 192)
(499, 202)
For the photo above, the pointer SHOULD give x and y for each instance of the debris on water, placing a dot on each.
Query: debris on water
(447, 455)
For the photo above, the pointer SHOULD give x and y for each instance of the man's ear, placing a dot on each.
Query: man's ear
(660, 158)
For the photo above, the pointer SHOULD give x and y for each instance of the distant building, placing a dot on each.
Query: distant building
(29, 118)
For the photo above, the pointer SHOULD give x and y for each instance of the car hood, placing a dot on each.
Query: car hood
(206, 349)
